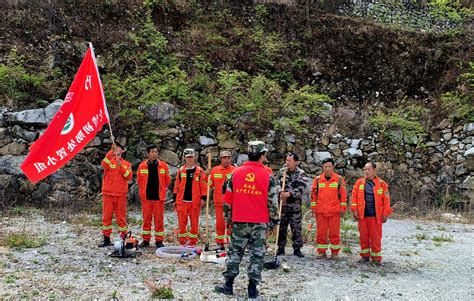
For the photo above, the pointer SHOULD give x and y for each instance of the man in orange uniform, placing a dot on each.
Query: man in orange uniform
(117, 173)
(153, 179)
(218, 176)
(371, 207)
(328, 202)
(190, 190)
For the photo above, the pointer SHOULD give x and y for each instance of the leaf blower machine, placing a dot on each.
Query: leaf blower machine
(125, 247)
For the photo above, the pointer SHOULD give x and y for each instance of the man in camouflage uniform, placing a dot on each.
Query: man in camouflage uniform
(250, 207)
(295, 186)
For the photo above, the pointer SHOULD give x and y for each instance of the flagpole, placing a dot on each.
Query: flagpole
(103, 95)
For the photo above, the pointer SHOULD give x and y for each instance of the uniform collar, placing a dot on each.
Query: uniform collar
(333, 177)
(252, 163)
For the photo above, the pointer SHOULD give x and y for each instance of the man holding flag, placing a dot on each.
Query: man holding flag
(117, 173)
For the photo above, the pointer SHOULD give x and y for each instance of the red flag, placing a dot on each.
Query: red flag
(81, 116)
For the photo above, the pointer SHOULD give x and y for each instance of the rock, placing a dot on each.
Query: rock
(332, 146)
(447, 136)
(403, 168)
(171, 132)
(355, 143)
(95, 142)
(444, 124)
(469, 152)
(469, 164)
(469, 127)
(320, 156)
(450, 217)
(170, 144)
(13, 148)
(228, 144)
(337, 152)
(325, 140)
(468, 183)
(52, 109)
(5, 137)
(161, 112)
(291, 139)
(409, 155)
(169, 157)
(19, 132)
(3, 110)
(28, 117)
(453, 141)
(11, 164)
(460, 170)
(241, 158)
(205, 141)
(352, 153)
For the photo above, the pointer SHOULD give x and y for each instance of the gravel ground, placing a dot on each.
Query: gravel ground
(69, 265)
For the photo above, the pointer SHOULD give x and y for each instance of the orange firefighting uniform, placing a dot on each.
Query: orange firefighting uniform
(328, 200)
(153, 208)
(189, 210)
(370, 228)
(114, 193)
(218, 176)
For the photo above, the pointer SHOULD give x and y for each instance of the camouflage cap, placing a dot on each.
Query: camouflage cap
(189, 152)
(225, 153)
(256, 147)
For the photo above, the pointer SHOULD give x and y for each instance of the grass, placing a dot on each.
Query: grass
(23, 240)
(163, 291)
(442, 228)
(443, 238)
(10, 279)
(347, 250)
(418, 227)
(421, 236)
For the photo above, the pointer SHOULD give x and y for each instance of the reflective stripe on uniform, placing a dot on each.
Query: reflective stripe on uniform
(375, 254)
(364, 251)
(361, 186)
(122, 229)
(192, 235)
(162, 171)
(146, 232)
(353, 205)
(336, 247)
(313, 204)
(221, 236)
(127, 172)
(333, 185)
(343, 204)
(321, 246)
(159, 233)
(379, 191)
(107, 227)
(322, 185)
(183, 175)
(218, 176)
(183, 235)
(143, 171)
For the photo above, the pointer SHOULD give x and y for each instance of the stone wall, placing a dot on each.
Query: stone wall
(443, 166)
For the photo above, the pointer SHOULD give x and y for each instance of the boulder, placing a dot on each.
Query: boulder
(352, 153)
(206, 141)
(228, 144)
(469, 152)
(5, 137)
(20, 132)
(169, 157)
(11, 164)
(171, 132)
(161, 112)
(469, 127)
(320, 156)
(241, 158)
(52, 109)
(14, 148)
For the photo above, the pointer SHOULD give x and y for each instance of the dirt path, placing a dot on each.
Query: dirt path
(416, 266)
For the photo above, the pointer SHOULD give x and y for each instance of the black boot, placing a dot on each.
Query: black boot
(143, 244)
(227, 288)
(105, 243)
(281, 251)
(252, 289)
(297, 252)
(159, 244)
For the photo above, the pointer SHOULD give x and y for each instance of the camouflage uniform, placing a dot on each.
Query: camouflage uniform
(253, 234)
(291, 210)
